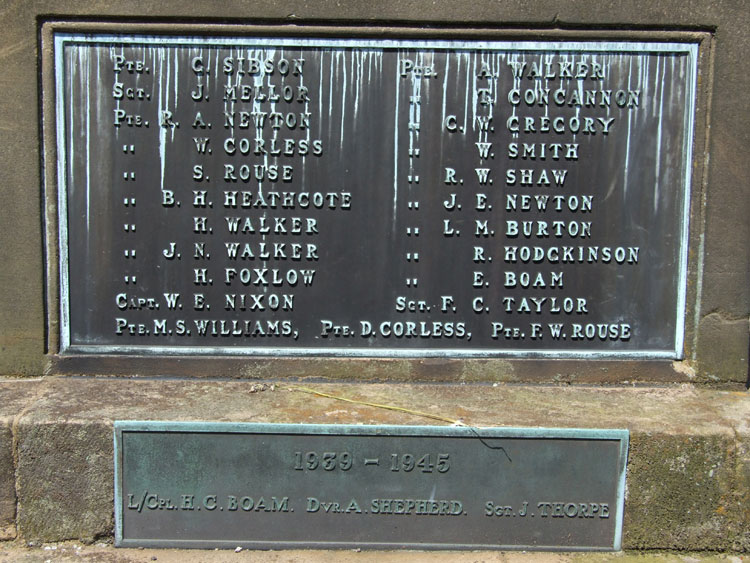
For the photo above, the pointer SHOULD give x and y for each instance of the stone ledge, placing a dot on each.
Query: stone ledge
(688, 482)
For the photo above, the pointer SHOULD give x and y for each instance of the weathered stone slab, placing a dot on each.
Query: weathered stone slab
(7, 484)
(688, 466)
(740, 497)
(677, 492)
(24, 331)
(63, 479)
(720, 337)
(14, 398)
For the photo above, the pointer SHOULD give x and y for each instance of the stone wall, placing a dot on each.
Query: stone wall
(718, 293)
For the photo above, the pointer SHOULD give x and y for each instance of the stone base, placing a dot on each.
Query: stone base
(688, 481)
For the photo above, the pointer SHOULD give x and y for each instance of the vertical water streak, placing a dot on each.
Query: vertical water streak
(342, 55)
(660, 83)
(627, 140)
(86, 86)
(467, 94)
(395, 144)
(445, 87)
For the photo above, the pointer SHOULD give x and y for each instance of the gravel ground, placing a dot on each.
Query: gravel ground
(15, 552)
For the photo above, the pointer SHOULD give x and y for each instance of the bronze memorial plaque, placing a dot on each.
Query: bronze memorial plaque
(327, 486)
(373, 197)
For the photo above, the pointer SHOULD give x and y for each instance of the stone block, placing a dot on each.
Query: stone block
(741, 492)
(718, 345)
(679, 492)
(15, 396)
(688, 481)
(65, 480)
(7, 483)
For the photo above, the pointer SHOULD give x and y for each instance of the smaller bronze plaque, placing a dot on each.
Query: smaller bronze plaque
(271, 486)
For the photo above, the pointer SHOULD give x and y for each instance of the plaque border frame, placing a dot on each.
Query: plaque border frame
(123, 426)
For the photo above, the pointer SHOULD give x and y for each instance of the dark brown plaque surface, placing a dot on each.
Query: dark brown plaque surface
(322, 486)
(373, 197)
